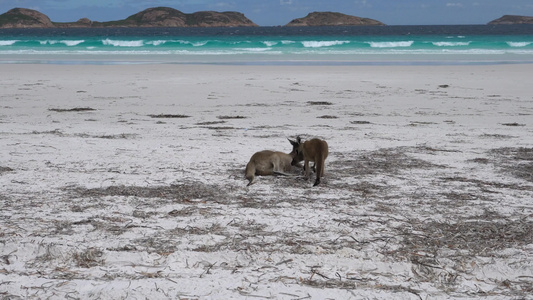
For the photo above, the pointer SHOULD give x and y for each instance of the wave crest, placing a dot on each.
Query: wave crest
(118, 43)
(390, 44)
(450, 44)
(519, 44)
(319, 44)
(8, 43)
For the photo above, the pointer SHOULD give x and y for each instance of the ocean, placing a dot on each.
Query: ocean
(354, 45)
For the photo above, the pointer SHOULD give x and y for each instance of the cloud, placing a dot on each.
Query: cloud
(285, 2)
(363, 3)
(454, 4)
(222, 5)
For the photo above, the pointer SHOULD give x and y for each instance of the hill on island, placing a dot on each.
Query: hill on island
(24, 18)
(151, 17)
(510, 19)
(333, 19)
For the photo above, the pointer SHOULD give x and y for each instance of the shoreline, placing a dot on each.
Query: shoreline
(261, 62)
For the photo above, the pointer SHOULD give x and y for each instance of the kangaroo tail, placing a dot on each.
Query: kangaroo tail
(282, 174)
(250, 173)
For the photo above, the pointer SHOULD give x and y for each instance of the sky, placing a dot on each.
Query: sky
(281, 12)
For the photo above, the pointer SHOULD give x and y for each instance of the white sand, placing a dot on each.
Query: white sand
(423, 160)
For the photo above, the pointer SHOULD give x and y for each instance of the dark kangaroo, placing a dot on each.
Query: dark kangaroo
(315, 150)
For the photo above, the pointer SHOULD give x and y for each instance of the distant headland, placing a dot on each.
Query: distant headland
(170, 17)
(333, 19)
(510, 19)
(151, 17)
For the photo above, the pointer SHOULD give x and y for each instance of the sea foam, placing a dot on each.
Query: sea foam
(318, 44)
(72, 43)
(118, 43)
(68, 43)
(8, 43)
(157, 42)
(270, 43)
(390, 44)
(451, 44)
(519, 44)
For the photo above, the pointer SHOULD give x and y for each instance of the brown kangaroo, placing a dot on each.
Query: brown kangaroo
(268, 162)
(315, 150)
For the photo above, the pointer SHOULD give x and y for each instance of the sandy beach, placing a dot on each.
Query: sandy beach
(127, 181)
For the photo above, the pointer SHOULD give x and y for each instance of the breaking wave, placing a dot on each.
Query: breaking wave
(450, 44)
(391, 44)
(68, 43)
(519, 44)
(121, 43)
(8, 42)
(319, 44)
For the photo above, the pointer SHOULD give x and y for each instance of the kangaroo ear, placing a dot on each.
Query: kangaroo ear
(294, 143)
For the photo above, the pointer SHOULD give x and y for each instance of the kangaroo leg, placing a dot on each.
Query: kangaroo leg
(319, 170)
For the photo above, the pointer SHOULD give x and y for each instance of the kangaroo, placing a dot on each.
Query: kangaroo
(315, 150)
(268, 162)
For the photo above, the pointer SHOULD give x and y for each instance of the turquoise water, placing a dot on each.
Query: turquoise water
(272, 45)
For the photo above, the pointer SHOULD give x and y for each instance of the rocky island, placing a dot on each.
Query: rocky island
(511, 19)
(151, 17)
(333, 19)
(24, 18)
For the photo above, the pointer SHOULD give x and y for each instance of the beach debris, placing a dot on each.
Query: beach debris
(76, 109)
(169, 116)
(319, 103)
(5, 169)
(513, 124)
(231, 117)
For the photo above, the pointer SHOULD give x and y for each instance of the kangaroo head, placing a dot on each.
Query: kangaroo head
(296, 153)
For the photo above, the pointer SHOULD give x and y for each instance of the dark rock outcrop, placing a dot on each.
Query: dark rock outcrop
(24, 18)
(510, 19)
(81, 23)
(151, 17)
(333, 19)
(84, 21)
